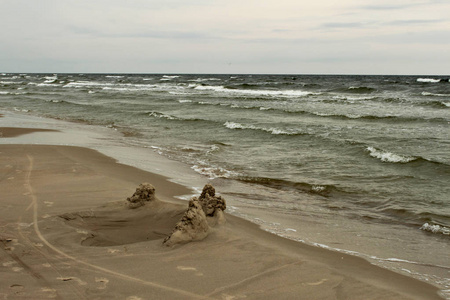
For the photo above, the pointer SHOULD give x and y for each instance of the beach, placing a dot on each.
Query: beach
(67, 233)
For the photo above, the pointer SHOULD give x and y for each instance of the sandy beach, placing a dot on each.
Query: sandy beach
(66, 232)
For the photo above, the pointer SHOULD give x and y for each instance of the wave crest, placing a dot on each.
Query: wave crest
(435, 229)
(386, 156)
(275, 131)
(432, 80)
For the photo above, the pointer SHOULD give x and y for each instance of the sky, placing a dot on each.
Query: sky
(403, 37)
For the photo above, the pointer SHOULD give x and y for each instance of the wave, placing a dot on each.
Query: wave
(435, 229)
(271, 130)
(65, 102)
(156, 114)
(213, 172)
(169, 77)
(15, 93)
(361, 89)
(82, 84)
(205, 79)
(58, 101)
(325, 190)
(354, 90)
(51, 79)
(389, 118)
(437, 104)
(134, 88)
(114, 76)
(349, 99)
(10, 82)
(390, 157)
(162, 116)
(432, 80)
(435, 95)
(254, 92)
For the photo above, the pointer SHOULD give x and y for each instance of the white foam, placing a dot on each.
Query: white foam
(233, 125)
(385, 156)
(435, 229)
(204, 79)
(11, 82)
(429, 80)
(168, 77)
(285, 93)
(318, 188)
(272, 130)
(46, 84)
(51, 79)
(213, 172)
(184, 101)
(130, 87)
(161, 115)
(78, 84)
(436, 95)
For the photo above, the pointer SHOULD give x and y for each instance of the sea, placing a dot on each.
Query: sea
(356, 164)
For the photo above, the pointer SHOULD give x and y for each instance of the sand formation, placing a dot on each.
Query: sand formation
(145, 192)
(212, 205)
(202, 214)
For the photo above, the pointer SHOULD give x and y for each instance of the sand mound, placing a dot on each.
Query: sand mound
(201, 214)
(117, 224)
(212, 205)
(193, 226)
(145, 192)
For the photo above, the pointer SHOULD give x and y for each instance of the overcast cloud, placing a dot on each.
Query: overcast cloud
(226, 36)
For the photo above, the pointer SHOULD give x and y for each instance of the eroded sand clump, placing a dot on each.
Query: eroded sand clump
(145, 192)
(193, 226)
(212, 205)
(202, 213)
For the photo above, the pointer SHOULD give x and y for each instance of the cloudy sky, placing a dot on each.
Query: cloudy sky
(226, 36)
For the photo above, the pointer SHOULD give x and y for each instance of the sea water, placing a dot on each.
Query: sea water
(359, 164)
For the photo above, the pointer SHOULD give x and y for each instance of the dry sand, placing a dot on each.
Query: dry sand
(66, 232)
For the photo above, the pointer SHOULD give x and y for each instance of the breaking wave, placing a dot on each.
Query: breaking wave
(254, 92)
(281, 184)
(432, 80)
(156, 114)
(390, 157)
(435, 229)
(271, 130)
(435, 95)
(361, 89)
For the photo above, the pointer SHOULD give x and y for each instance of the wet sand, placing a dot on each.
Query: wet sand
(66, 233)
(9, 132)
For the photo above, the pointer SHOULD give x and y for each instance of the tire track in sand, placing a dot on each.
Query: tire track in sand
(34, 204)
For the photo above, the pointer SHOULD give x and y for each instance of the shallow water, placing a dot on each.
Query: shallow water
(357, 163)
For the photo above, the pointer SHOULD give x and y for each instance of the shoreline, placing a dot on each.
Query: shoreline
(356, 276)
